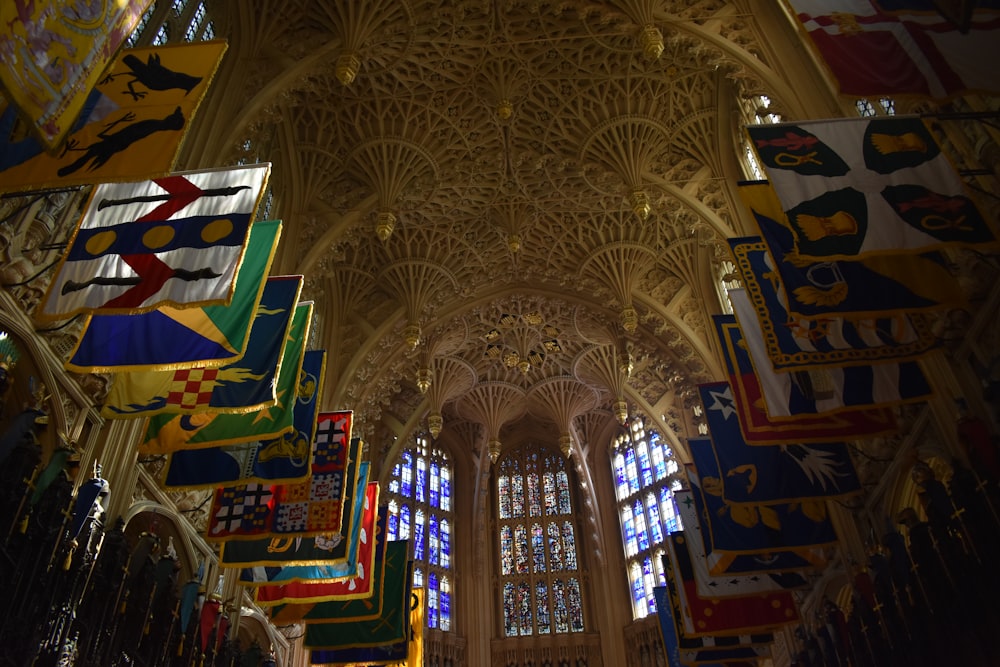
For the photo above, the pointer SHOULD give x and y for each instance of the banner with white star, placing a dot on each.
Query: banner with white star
(771, 474)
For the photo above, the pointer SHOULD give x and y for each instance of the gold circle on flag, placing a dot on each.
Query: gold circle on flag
(100, 242)
(158, 236)
(217, 230)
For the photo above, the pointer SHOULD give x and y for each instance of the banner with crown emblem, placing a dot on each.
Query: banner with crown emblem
(852, 187)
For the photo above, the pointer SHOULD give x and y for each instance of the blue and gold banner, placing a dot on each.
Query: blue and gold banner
(246, 385)
(167, 338)
(774, 474)
(758, 530)
(798, 343)
(280, 460)
(760, 428)
(857, 187)
(131, 125)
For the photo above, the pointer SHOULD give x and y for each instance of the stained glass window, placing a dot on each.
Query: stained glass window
(432, 600)
(419, 509)
(645, 507)
(536, 538)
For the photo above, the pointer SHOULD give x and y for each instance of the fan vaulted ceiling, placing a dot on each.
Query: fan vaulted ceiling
(509, 214)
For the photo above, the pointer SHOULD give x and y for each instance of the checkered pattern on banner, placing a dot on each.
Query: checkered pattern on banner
(241, 509)
(192, 387)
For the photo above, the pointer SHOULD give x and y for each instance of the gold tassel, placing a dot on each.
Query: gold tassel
(23, 526)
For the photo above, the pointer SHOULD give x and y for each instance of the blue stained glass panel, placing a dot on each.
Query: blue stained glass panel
(560, 613)
(549, 481)
(509, 610)
(446, 489)
(569, 545)
(631, 471)
(562, 485)
(445, 543)
(435, 498)
(521, 549)
(668, 512)
(404, 522)
(575, 603)
(418, 578)
(638, 590)
(419, 535)
(644, 467)
(432, 600)
(621, 481)
(517, 496)
(445, 604)
(537, 548)
(542, 608)
(658, 456)
(654, 518)
(640, 525)
(628, 527)
(392, 530)
(506, 550)
(503, 491)
(555, 548)
(648, 582)
(406, 475)
(534, 495)
(421, 485)
(524, 607)
(433, 541)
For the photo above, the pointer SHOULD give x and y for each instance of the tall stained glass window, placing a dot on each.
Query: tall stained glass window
(419, 510)
(643, 468)
(537, 544)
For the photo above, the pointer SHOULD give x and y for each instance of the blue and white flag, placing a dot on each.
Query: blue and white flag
(770, 474)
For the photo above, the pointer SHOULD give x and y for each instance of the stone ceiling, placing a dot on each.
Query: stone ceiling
(548, 190)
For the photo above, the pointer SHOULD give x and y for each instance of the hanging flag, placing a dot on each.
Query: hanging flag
(826, 390)
(760, 428)
(772, 474)
(907, 48)
(799, 343)
(308, 508)
(758, 530)
(241, 386)
(371, 565)
(683, 650)
(131, 125)
(389, 627)
(173, 338)
(702, 616)
(853, 187)
(393, 565)
(262, 560)
(407, 653)
(358, 531)
(53, 55)
(782, 566)
(168, 433)
(176, 240)
(758, 580)
(277, 461)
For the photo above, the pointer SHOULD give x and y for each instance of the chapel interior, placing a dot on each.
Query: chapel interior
(512, 219)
